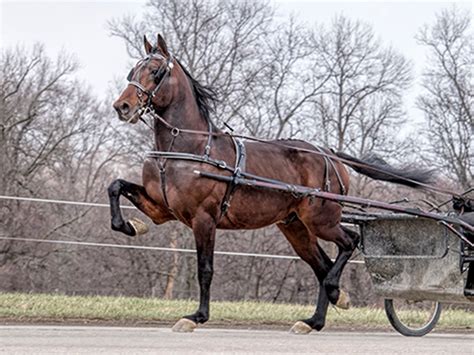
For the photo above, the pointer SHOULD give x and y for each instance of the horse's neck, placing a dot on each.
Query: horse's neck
(182, 115)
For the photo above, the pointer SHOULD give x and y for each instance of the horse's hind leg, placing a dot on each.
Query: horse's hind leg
(139, 197)
(307, 247)
(346, 244)
(324, 222)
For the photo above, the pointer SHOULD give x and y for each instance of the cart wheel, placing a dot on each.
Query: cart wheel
(407, 321)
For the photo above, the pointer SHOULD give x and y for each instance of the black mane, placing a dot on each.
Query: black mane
(204, 95)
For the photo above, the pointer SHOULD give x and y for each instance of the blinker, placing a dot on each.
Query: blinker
(130, 75)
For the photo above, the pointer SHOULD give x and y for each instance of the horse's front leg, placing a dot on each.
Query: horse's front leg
(137, 195)
(204, 228)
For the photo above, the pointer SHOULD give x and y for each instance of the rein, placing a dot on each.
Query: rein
(303, 150)
(147, 109)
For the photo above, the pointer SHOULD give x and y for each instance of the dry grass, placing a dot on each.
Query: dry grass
(132, 310)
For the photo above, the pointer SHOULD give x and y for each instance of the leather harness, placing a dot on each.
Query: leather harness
(328, 164)
(239, 167)
(237, 171)
(240, 152)
(240, 157)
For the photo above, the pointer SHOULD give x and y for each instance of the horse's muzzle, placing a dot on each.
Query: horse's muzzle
(125, 112)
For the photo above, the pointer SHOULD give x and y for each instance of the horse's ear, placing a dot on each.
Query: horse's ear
(147, 44)
(162, 46)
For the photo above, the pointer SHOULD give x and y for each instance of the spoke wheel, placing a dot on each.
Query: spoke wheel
(412, 318)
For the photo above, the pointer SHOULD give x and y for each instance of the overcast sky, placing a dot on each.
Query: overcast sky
(80, 28)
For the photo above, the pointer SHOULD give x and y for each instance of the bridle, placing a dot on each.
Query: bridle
(147, 108)
(159, 77)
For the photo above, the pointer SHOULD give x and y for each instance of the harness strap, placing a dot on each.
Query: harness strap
(327, 179)
(240, 159)
(161, 166)
(169, 154)
(331, 155)
(328, 163)
(338, 176)
(189, 156)
(207, 148)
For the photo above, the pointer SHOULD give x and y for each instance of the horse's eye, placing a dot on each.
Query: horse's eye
(157, 74)
(130, 75)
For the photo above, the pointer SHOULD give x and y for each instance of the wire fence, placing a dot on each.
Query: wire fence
(144, 247)
(61, 202)
(123, 246)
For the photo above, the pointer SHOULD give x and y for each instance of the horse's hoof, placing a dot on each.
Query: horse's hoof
(344, 301)
(184, 325)
(301, 328)
(138, 226)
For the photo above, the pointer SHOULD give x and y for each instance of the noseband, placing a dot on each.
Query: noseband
(162, 73)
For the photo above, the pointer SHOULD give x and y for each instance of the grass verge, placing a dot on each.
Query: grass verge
(19, 307)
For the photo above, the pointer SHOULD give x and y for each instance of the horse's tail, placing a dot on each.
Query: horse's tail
(376, 168)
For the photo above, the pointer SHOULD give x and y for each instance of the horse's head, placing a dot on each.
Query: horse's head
(149, 83)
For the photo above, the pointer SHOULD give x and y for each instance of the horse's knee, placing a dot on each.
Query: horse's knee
(117, 222)
(115, 187)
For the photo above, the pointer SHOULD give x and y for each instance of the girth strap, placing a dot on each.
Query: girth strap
(240, 158)
(161, 166)
(163, 156)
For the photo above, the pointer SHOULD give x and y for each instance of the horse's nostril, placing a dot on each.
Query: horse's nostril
(125, 108)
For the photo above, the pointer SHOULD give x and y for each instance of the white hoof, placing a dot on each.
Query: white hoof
(184, 325)
(300, 328)
(344, 301)
(138, 226)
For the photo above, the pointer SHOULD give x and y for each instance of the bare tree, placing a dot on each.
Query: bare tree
(50, 126)
(360, 108)
(289, 77)
(216, 40)
(55, 140)
(32, 89)
(363, 99)
(447, 99)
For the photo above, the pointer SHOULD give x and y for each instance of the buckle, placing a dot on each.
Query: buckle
(175, 132)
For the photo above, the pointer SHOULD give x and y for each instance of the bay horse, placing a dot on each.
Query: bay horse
(171, 191)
